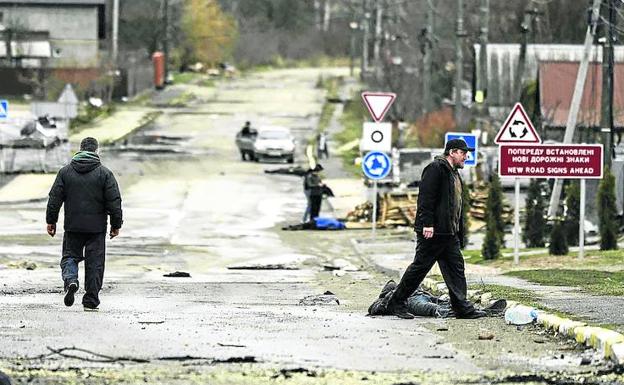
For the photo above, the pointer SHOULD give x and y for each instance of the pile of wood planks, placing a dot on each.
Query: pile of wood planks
(478, 204)
(393, 209)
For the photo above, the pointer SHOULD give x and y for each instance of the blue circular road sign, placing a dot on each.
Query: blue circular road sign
(376, 165)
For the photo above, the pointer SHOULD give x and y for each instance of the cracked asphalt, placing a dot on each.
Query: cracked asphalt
(192, 205)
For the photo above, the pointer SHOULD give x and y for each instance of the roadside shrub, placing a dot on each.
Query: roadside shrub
(534, 226)
(573, 211)
(607, 212)
(558, 244)
(495, 227)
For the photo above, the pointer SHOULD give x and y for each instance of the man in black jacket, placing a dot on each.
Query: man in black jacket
(439, 231)
(90, 194)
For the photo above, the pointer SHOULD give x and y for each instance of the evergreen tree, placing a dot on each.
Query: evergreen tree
(495, 226)
(607, 211)
(494, 207)
(491, 244)
(573, 211)
(534, 226)
(558, 244)
(466, 208)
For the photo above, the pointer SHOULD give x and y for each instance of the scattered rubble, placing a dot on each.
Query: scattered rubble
(327, 298)
(178, 274)
(269, 266)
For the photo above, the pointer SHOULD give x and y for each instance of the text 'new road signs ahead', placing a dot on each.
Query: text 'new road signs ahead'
(4, 109)
(471, 141)
(517, 128)
(551, 161)
(376, 165)
(378, 103)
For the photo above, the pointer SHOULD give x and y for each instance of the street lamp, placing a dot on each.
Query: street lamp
(353, 26)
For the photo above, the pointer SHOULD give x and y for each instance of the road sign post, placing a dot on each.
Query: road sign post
(581, 253)
(377, 138)
(517, 130)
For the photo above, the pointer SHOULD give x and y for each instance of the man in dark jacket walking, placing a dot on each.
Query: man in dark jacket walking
(439, 232)
(90, 194)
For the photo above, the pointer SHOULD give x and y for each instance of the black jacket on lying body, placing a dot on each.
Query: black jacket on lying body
(90, 194)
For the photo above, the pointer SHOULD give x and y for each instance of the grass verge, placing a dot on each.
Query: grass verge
(593, 281)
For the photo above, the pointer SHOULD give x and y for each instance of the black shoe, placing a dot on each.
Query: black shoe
(474, 313)
(400, 310)
(72, 288)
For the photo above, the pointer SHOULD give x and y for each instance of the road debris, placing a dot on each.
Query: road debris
(231, 345)
(288, 373)
(177, 274)
(327, 298)
(485, 335)
(269, 266)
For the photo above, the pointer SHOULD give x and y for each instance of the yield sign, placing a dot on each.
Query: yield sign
(517, 128)
(378, 103)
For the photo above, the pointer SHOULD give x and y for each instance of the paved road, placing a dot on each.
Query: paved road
(191, 205)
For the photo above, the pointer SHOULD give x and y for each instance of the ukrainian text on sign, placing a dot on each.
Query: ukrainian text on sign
(551, 161)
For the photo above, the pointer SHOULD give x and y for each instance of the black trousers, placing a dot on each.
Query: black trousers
(315, 205)
(446, 251)
(90, 248)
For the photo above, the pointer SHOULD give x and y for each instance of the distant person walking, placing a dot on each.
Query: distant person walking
(439, 232)
(321, 146)
(90, 194)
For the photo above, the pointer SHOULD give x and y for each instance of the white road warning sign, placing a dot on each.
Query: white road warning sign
(517, 128)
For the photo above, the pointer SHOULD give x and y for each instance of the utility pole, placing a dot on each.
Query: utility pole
(459, 60)
(114, 50)
(606, 121)
(166, 36)
(524, 29)
(366, 27)
(326, 15)
(575, 105)
(377, 45)
(482, 79)
(427, 51)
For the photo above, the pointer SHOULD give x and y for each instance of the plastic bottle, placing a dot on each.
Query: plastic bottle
(520, 315)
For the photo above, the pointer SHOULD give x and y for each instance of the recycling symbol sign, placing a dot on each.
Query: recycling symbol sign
(376, 165)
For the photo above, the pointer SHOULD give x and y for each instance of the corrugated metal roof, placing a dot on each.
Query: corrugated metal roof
(556, 87)
(54, 2)
(502, 65)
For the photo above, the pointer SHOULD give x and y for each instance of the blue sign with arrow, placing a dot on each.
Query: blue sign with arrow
(376, 165)
(471, 141)
(4, 109)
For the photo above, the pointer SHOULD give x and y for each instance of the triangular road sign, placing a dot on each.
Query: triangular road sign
(378, 103)
(517, 128)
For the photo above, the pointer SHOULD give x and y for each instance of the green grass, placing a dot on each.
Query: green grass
(352, 118)
(526, 297)
(185, 77)
(593, 281)
(88, 114)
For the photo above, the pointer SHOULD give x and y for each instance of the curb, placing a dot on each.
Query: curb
(609, 343)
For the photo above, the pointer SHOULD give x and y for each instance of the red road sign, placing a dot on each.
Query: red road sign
(570, 161)
(378, 103)
(517, 128)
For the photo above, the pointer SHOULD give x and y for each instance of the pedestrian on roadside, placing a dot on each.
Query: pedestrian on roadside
(321, 146)
(313, 184)
(90, 194)
(439, 231)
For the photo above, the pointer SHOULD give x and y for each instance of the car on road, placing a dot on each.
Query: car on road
(274, 143)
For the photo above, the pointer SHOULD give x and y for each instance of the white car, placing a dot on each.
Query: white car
(274, 142)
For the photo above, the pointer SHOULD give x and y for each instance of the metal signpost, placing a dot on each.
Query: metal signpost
(517, 129)
(377, 138)
(376, 165)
